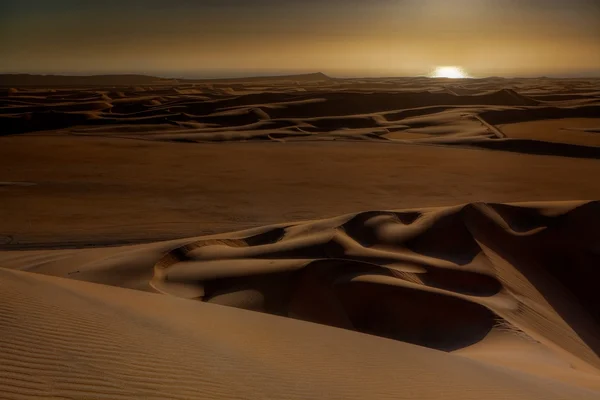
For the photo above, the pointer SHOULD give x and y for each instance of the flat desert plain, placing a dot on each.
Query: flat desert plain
(299, 237)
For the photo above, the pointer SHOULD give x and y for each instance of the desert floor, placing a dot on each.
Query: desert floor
(299, 237)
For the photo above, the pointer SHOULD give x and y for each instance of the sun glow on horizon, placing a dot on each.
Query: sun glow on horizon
(449, 72)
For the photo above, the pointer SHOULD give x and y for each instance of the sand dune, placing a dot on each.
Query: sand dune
(70, 339)
(299, 237)
(475, 280)
(310, 107)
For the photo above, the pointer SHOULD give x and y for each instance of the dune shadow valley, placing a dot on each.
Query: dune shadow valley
(299, 237)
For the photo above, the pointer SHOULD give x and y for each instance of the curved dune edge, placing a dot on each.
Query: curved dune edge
(481, 280)
(70, 339)
(465, 113)
(528, 265)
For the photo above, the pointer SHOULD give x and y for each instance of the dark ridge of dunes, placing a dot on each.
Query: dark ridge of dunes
(349, 103)
(313, 77)
(238, 118)
(110, 119)
(258, 99)
(15, 80)
(538, 147)
(562, 96)
(40, 121)
(57, 107)
(8, 91)
(418, 111)
(224, 135)
(76, 95)
(510, 116)
(133, 105)
(64, 80)
(46, 98)
(329, 124)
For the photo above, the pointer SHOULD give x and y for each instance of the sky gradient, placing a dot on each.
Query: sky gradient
(220, 38)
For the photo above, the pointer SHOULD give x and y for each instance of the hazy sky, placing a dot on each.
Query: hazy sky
(341, 38)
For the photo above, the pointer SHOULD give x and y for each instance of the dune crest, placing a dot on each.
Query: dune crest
(482, 262)
(466, 279)
(306, 108)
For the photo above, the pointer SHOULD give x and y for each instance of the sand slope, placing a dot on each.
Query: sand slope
(480, 279)
(67, 339)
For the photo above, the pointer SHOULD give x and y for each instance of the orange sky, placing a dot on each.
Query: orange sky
(341, 38)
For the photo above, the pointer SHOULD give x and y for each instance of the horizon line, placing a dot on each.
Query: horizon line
(167, 76)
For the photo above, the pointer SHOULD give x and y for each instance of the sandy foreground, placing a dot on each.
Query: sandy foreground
(299, 237)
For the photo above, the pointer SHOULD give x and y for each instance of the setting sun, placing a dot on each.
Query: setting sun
(449, 72)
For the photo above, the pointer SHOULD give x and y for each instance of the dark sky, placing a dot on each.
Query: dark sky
(341, 38)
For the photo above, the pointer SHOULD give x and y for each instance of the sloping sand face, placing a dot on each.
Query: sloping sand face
(67, 339)
(477, 280)
(436, 277)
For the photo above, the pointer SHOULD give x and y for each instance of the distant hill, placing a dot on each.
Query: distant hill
(16, 80)
(315, 77)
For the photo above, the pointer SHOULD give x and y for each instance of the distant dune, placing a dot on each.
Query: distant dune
(65, 80)
(128, 80)
(311, 107)
(314, 77)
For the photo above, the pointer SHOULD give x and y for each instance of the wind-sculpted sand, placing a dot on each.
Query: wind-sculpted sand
(311, 108)
(299, 237)
(512, 286)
